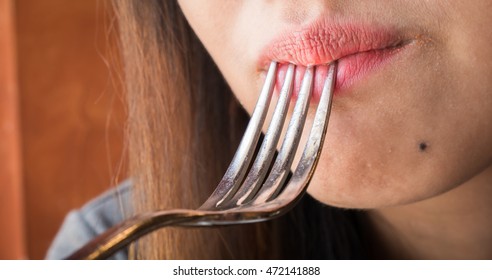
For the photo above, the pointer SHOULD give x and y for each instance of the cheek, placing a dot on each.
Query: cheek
(215, 22)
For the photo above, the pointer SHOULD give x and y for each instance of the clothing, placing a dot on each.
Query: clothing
(80, 226)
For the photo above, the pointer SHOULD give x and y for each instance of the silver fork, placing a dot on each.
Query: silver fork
(239, 200)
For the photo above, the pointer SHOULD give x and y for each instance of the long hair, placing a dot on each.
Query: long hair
(184, 125)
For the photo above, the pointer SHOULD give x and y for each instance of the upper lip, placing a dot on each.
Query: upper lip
(324, 41)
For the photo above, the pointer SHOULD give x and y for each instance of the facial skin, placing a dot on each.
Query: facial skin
(414, 129)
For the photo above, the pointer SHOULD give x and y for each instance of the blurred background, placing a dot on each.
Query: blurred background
(61, 117)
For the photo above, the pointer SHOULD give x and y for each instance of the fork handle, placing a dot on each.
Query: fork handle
(121, 235)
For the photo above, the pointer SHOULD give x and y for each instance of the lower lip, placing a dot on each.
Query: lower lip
(351, 69)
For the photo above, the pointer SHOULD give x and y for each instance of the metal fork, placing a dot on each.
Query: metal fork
(237, 199)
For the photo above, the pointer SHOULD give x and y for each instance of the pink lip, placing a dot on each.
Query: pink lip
(358, 48)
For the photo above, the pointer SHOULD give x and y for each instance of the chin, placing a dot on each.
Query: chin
(358, 185)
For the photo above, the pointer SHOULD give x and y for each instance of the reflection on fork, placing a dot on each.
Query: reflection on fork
(246, 194)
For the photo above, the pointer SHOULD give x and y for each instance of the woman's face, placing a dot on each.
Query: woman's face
(412, 112)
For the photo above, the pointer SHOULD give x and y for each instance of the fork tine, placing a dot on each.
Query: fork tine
(281, 167)
(311, 154)
(259, 169)
(239, 164)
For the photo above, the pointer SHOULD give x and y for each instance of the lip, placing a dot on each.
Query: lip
(359, 49)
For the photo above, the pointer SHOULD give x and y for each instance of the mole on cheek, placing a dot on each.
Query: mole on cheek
(423, 146)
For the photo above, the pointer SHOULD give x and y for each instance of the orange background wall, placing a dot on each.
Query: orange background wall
(61, 119)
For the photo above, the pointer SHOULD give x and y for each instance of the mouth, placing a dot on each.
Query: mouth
(359, 50)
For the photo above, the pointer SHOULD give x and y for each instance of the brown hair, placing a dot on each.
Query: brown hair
(184, 125)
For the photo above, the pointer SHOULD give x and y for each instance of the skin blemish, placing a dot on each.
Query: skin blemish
(423, 146)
